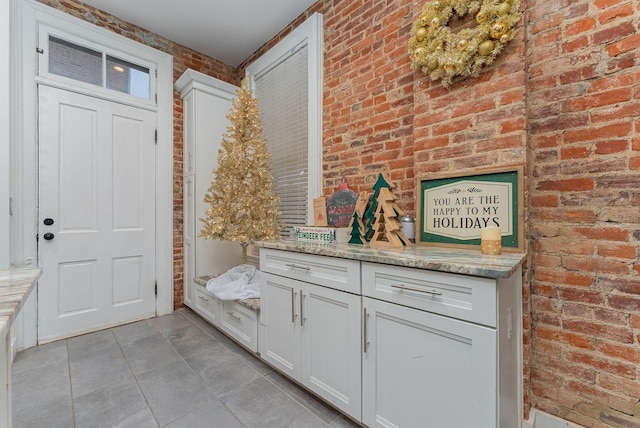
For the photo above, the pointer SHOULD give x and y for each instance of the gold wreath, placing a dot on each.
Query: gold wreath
(442, 54)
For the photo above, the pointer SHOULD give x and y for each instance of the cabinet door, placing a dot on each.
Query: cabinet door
(240, 323)
(279, 341)
(206, 304)
(331, 346)
(426, 370)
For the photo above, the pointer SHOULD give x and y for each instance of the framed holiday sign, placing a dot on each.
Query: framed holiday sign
(452, 209)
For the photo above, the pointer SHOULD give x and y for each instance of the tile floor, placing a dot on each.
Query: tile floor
(171, 371)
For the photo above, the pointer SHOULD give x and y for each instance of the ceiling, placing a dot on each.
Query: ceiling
(227, 30)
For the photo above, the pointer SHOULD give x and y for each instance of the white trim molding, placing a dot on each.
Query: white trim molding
(5, 152)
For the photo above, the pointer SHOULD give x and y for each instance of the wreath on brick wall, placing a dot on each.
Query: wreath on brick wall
(443, 54)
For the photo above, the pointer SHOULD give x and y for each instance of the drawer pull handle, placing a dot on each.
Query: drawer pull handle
(365, 345)
(206, 299)
(403, 287)
(293, 302)
(234, 316)
(295, 266)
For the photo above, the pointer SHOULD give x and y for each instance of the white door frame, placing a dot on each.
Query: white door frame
(26, 16)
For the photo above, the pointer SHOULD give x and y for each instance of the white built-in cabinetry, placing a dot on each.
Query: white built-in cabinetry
(434, 349)
(206, 103)
(310, 324)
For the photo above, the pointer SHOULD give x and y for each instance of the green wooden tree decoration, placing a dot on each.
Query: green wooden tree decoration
(243, 203)
(357, 229)
(357, 226)
(370, 214)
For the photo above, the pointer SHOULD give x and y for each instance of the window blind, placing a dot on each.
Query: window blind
(282, 93)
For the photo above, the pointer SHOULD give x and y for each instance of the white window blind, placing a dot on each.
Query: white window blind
(282, 91)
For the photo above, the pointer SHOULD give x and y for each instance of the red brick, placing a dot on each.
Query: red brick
(606, 331)
(598, 100)
(575, 152)
(609, 147)
(614, 32)
(559, 335)
(594, 133)
(602, 233)
(562, 277)
(620, 251)
(624, 45)
(580, 26)
(568, 185)
(624, 302)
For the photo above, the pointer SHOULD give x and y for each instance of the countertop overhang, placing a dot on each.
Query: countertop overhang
(15, 287)
(452, 260)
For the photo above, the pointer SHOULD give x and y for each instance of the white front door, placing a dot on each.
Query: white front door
(96, 220)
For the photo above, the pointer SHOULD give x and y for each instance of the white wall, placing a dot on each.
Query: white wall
(4, 133)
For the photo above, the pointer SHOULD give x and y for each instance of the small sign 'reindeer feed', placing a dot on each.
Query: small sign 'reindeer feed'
(452, 211)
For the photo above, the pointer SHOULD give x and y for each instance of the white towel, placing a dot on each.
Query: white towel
(240, 282)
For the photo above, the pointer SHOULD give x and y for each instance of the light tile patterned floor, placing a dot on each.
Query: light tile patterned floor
(171, 371)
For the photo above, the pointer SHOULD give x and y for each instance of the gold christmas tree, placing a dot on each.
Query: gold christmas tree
(243, 204)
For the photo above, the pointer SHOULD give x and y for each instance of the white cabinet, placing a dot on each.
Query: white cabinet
(441, 350)
(438, 349)
(206, 103)
(426, 370)
(312, 333)
(240, 323)
(238, 320)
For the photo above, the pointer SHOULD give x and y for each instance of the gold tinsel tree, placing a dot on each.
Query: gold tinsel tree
(243, 204)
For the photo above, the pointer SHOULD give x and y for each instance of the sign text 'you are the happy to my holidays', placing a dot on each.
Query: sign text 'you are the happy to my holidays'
(466, 212)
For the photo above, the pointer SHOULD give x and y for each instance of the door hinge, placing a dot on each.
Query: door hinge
(39, 50)
(156, 288)
(156, 136)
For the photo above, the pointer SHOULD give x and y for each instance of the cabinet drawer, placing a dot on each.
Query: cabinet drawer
(463, 297)
(206, 304)
(240, 323)
(340, 274)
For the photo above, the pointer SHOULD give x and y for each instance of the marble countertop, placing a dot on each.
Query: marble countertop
(15, 287)
(452, 260)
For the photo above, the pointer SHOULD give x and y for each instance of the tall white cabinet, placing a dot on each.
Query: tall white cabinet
(206, 103)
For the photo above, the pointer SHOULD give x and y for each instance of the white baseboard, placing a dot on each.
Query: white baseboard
(540, 419)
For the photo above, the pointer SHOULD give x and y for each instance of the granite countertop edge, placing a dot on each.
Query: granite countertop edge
(451, 260)
(15, 287)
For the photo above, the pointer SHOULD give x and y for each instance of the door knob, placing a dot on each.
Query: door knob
(48, 221)
(48, 236)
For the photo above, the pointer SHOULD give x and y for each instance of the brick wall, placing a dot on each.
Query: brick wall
(583, 106)
(183, 58)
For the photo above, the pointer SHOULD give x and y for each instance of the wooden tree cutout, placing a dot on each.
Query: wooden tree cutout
(387, 226)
